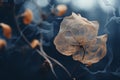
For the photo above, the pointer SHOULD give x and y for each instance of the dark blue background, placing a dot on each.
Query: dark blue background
(19, 62)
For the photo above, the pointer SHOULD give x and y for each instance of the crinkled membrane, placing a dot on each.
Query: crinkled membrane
(78, 38)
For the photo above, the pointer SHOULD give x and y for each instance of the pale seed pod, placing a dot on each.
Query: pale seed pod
(7, 31)
(35, 43)
(27, 16)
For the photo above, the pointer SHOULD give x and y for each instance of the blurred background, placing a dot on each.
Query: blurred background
(18, 61)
